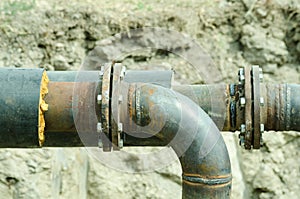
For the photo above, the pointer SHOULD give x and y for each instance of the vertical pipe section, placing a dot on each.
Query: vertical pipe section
(176, 120)
(20, 104)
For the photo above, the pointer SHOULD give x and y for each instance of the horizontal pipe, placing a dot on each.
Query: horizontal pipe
(280, 112)
(71, 118)
(60, 121)
(19, 107)
(282, 107)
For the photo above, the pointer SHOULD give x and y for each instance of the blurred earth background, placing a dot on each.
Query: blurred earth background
(58, 34)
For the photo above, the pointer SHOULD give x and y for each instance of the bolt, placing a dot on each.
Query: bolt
(99, 98)
(262, 101)
(100, 144)
(120, 127)
(261, 75)
(262, 128)
(101, 72)
(241, 71)
(242, 101)
(120, 99)
(243, 128)
(242, 140)
(122, 75)
(106, 95)
(241, 76)
(121, 143)
(99, 127)
(261, 141)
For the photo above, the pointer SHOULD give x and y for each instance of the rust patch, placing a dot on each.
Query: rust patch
(43, 106)
(204, 185)
(207, 177)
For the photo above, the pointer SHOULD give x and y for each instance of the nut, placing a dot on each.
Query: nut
(262, 101)
(261, 75)
(120, 127)
(121, 143)
(243, 128)
(241, 76)
(242, 101)
(100, 144)
(261, 141)
(120, 99)
(101, 72)
(122, 75)
(262, 128)
(99, 127)
(99, 98)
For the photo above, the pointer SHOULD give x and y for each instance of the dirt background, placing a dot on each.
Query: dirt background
(58, 34)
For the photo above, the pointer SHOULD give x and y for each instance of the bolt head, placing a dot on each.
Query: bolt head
(262, 102)
(120, 127)
(242, 140)
(106, 95)
(121, 143)
(99, 98)
(242, 101)
(99, 127)
(123, 71)
(101, 72)
(100, 143)
(241, 76)
(243, 128)
(120, 99)
(261, 141)
(261, 75)
(241, 71)
(262, 128)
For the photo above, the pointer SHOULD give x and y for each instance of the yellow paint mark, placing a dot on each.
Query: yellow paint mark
(43, 107)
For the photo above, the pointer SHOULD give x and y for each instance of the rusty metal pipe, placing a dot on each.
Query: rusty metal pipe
(282, 107)
(214, 99)
(61, 125)
(280, 111)
(177, 121)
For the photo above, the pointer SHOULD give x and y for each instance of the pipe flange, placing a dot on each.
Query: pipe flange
(105, 132)
(248, 108)
(109, 100)
(251, 101)
(257, 101)
(116, 125)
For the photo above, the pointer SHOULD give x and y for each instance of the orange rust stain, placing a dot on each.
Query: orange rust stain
(205, 185)
(43, 107)
(151, 91)
(207, 177)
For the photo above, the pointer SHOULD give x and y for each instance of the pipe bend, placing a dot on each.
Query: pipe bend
(178, 122)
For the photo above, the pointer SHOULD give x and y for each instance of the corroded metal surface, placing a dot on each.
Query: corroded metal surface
(282, 107)
(116, 100)
(106, 108)
(207, 176)
(69, 121)
(214, 100)
(256, 107)
(248, 109)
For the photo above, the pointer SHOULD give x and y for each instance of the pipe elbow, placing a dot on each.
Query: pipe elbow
(181, 124)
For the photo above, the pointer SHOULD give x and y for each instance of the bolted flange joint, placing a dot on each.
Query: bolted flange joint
(109, 99)
(251, 102)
